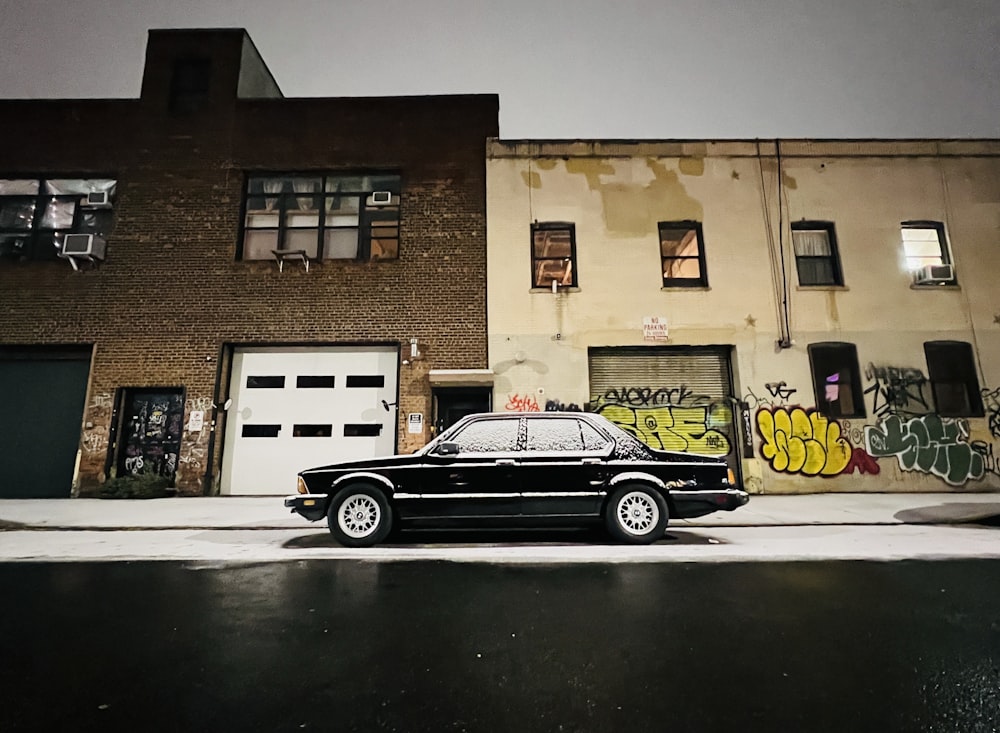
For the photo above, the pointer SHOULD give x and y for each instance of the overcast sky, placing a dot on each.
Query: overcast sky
(570, 69)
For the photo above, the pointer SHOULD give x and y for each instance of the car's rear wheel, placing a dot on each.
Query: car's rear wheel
(636, 514)
(359, 516)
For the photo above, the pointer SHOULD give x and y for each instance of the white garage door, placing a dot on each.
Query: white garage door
(299, 408)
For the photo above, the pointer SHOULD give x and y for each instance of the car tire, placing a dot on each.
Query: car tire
(359, 516)
(636, 514)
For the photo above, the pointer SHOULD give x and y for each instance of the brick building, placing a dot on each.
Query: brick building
(222, 285)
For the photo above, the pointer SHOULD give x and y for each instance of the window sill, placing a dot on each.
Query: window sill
(562, 289)
(822, 287)
(690, 288)
(934, 286)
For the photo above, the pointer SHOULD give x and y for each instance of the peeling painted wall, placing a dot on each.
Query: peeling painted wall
(616, 192)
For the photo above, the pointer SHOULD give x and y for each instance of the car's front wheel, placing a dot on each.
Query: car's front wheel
(359, 516)
(636, 514)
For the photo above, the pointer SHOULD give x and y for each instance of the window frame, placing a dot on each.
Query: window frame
(848, 357)
(548, 226)
(683, 282)
(35, 237)
(368, 215)
(813, 225)
(190, 84)
(943, 246)
(969, 377)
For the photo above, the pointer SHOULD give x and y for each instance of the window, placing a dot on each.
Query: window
(35, 214)
(816, 257)
(682, 254)
(553, 255)
(365, 380)
(563, 434)
(189, 85)
(328, 217)
(836, 379)
(926, 251)
(489, 436)
(951, 370)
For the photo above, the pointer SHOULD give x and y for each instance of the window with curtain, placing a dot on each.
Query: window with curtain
(682, 254)
(36, 213)
(322, 216)
(816, 258)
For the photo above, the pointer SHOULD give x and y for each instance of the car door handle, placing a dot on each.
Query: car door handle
(591, 461)
(505, 462)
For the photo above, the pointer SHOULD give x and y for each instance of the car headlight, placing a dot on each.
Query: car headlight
(300, 485)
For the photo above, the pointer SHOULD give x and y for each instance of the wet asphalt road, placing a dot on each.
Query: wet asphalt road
(365, 646)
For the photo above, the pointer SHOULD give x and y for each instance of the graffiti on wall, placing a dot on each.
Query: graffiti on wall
(522, 403)
(927, 444)
(673, 419)
(991, 463)
(649, 397)
(991, 400)
(896, 390)
(558, 406)
(796, 440)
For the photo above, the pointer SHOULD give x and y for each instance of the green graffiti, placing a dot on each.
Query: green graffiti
(929, 444)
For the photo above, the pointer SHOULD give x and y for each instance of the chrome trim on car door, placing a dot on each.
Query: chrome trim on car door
(512, 495)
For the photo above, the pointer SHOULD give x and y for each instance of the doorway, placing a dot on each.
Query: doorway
(451, 404)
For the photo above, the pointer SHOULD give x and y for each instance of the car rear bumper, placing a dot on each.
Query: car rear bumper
(310, 506)
(690, 504)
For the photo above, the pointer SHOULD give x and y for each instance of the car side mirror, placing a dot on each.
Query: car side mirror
(448, 449)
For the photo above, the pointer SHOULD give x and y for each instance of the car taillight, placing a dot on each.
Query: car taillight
(730, 473)
(301, 486)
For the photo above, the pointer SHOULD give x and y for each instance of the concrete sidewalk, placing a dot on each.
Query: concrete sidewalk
(237, 512)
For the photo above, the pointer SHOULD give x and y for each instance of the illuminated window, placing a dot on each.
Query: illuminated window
(926, 250)
(325, 217)
(682, 254)
(553, 255)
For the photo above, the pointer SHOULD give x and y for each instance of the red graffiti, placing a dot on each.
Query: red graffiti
(862, 463)
(522, 403)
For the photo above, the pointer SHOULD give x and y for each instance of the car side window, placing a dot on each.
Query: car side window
(554, 434)
(488, 436)
(592, 439)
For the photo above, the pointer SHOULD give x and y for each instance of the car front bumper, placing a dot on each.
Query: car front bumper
(698, 503)
(310, 506)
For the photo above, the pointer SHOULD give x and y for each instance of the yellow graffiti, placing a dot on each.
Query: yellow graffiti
(796, 441)
(682, 429)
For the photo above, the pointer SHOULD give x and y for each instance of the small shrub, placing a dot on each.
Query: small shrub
(136, 486)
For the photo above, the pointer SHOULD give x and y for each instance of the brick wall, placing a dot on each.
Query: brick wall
(171, 293)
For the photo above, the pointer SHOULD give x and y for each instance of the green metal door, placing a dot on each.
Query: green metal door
(42, 395)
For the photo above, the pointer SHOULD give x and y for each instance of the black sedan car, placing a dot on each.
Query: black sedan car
(540, 469)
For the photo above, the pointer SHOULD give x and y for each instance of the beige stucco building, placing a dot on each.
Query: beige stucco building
(824, 314)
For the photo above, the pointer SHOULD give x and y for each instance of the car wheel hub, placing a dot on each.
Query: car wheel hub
(359, 516)
(638, 513)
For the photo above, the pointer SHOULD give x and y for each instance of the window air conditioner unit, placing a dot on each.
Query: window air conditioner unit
(97, 200)
(934, 274)
(381, 198)
(82, 246)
